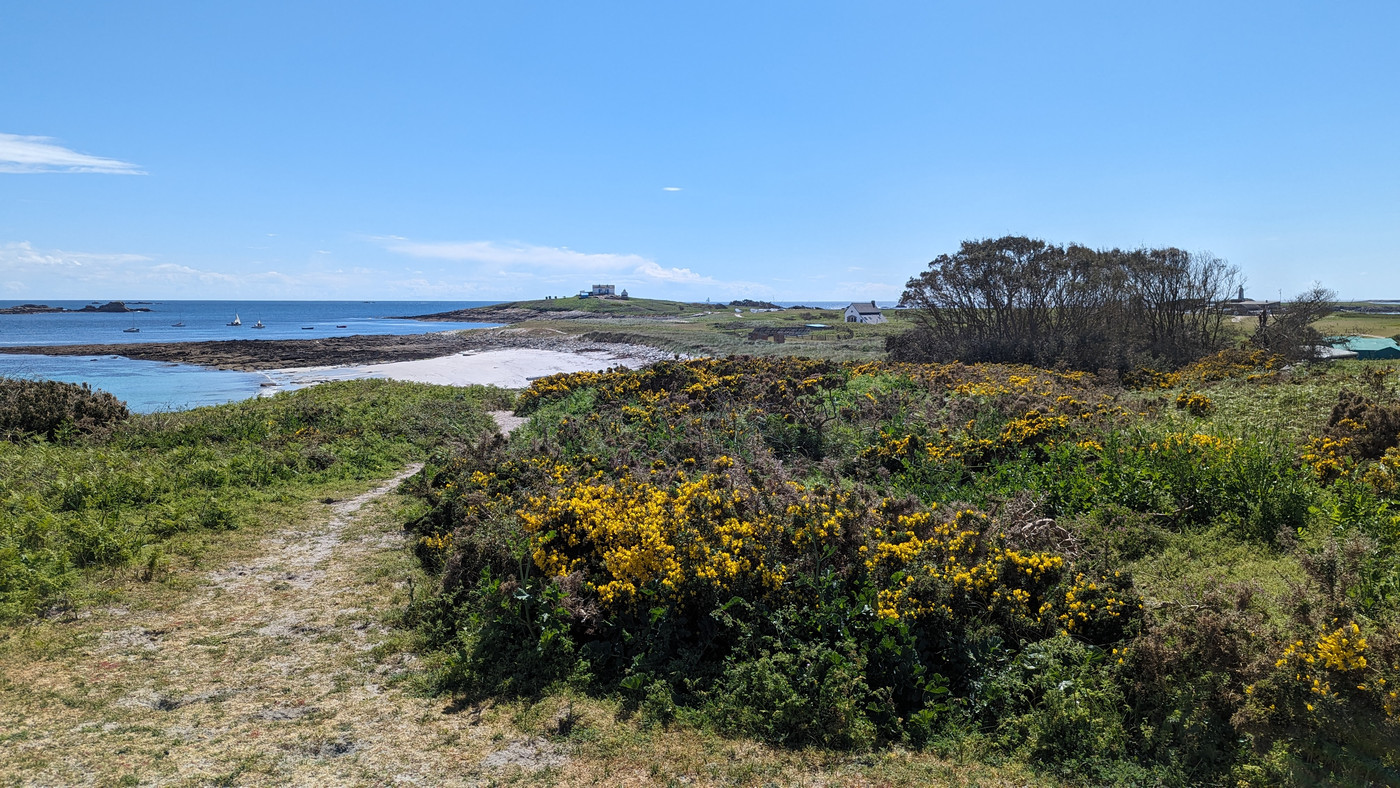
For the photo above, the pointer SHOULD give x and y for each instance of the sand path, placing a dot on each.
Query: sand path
(276, 669)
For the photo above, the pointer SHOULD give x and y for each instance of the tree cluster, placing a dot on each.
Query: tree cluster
(1288, 331)
(1023, 300)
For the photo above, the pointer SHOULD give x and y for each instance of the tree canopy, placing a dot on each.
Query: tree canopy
(1019, 299)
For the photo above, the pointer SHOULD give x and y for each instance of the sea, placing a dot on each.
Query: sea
(150, 386)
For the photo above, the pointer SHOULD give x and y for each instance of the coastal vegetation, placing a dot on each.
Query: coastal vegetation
(44, 408)
(1023, 300)
(86, 488)
(806, 562)
(1178, 577)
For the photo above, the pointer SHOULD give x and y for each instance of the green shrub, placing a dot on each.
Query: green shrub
(48, 409)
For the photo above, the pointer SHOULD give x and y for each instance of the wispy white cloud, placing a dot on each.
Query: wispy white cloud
(552, 264)
(21, 255)
(60, 273)
(27, 154)
(864, 291)
(677, 275)
(495, 253)
(670, 188)
(37, 274)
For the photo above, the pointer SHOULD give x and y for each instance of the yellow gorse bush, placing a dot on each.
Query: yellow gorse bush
(953, 571)
(631, 537)
(1332, 663)
(1327, 457)
(1384, 474)
(1194, 403)
(1343, 649)
(1089, 600)
(1193, 443)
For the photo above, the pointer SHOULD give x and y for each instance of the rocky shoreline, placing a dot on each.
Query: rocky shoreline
(45, 309)
(249, 355)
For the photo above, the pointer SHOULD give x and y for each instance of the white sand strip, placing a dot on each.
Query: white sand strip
(506, 368)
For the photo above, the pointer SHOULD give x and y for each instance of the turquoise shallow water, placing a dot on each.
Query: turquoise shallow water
(150, 386)
(145, 386)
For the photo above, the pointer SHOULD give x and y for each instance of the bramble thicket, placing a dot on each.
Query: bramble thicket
(1174, 578)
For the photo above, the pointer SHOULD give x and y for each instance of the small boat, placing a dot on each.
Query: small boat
(308, 328)
(259, 324)
(235, 321)
(132, 330)
(177, 325)
(342, 326)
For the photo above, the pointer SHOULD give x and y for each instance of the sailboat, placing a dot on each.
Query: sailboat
(235, 321)
(259, 324)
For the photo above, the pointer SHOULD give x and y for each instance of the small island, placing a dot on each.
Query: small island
(44, 309)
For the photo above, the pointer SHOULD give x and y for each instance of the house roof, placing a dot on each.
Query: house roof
(865, 309)
(1365, 343)
(1333, 353)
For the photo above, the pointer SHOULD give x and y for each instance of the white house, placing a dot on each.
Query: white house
(864, 313)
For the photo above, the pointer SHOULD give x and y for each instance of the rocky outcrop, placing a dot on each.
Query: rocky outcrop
(31, 309)
(110, 306)
(43, 309)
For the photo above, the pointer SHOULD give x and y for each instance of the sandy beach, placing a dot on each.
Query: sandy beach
(365, 351)
(507, 368)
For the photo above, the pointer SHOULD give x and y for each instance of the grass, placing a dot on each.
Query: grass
(711, 329)
(631, 307)
(159, 489)
(1356, 323)
(720, 333)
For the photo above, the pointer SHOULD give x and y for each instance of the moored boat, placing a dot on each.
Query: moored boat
(235, 321)
(259, 324)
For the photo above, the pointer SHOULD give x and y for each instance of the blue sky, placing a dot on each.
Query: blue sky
(779, 150)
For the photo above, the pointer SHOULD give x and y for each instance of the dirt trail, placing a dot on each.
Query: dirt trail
(507, 420)
(274, 670)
